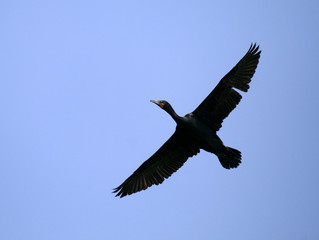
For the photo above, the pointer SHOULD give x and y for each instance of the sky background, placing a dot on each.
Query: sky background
(76, 78)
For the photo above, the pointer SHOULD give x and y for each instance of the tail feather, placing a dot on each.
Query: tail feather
(231, 158)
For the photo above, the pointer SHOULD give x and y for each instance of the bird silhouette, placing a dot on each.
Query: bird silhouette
(196, 130)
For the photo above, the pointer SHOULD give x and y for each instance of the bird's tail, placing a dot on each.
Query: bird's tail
(230, 158)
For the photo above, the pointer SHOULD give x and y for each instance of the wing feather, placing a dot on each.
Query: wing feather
(223, 99)
(167, 160)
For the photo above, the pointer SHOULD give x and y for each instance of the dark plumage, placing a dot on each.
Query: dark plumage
(196, 130)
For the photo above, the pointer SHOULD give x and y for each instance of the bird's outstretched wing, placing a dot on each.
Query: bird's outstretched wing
(167, 160)
(223, 99)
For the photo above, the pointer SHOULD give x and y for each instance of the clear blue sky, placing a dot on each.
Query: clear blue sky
(76, 78)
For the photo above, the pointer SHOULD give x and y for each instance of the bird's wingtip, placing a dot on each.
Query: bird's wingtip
(254, 47)
(117, 191)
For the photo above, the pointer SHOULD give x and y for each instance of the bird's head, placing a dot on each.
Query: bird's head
(167, 107)
(160, 103)
(163, 104)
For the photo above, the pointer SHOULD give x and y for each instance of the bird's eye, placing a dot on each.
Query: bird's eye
(162, 103)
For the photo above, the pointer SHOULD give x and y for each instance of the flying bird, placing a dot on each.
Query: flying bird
(196, 130)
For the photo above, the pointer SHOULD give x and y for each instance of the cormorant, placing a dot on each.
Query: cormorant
(196, 130)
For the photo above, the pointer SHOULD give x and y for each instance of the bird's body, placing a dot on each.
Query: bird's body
(193, 128)
(196, 130)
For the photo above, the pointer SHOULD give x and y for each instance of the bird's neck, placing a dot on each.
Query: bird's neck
(173, 114)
